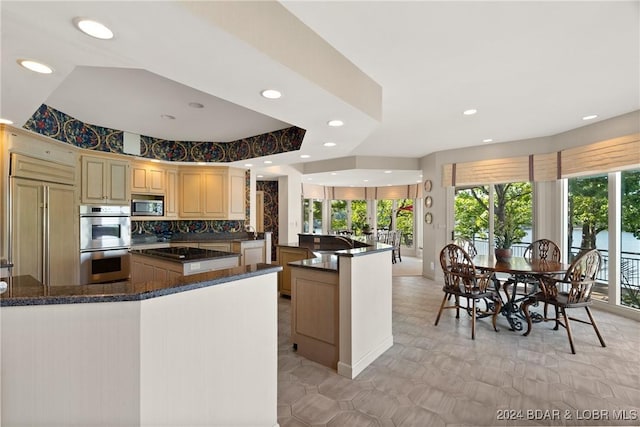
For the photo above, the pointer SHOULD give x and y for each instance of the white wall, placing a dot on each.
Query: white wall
(289, 206)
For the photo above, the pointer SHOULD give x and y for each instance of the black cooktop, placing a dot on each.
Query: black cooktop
(186, 253)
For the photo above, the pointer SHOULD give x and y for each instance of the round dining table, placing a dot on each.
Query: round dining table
(519, 269)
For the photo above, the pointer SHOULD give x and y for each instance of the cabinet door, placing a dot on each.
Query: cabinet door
(118, 179)
(62, 251)
(93, 180)
(139, 179)
(171, 193)
(147, 178)
(237, 190)
(190, 194)
(215, 187)
(27, 227)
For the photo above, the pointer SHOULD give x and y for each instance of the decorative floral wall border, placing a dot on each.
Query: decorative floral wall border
(55, 124)
(270, 189)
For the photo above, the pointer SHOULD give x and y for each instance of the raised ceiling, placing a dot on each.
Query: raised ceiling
(399, 74)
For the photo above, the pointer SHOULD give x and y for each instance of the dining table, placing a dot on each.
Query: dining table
(516, 270)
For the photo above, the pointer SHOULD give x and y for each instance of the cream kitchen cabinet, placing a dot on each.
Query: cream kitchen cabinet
(211, 193)
(217, 246)
(105, 181)
(147, 178)
(171, 193)
(251, 251)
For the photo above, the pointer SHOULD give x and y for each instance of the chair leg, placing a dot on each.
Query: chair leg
(457, 307)
(525, 310)
(557, 318)
(593, 323)
(494, 318)
(444, 300)
(568, 328)
(473, 318)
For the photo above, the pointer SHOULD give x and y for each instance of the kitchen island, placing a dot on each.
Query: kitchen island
(169, 264)
(201, 351)
(341, 302)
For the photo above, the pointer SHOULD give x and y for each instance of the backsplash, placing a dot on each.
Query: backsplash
(161, 228)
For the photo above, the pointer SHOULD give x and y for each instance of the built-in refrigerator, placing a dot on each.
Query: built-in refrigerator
(44, 231)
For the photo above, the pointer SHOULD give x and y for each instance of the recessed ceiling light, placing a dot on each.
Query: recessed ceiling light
(487, 140)
(419, 180)
(590, 117)
(93, 28)
(168, 117)
(329, 144)
(196, 105)
(267, 162)
(304, 156)
(271, 94)
(470, 112)
(309, 179)
(34, 66)
(259, 176)
(365, 180)
(6, 122)
(335, 123)
(388, 171)
(248, 165)
(333, 173)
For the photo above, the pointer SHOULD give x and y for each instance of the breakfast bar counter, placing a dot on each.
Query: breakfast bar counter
(200, 351)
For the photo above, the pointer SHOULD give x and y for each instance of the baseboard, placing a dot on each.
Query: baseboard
(352, 371)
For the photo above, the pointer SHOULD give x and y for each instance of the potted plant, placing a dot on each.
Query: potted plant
(506, 233)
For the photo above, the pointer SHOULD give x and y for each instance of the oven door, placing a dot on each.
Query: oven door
(104, 266)
(104, 232)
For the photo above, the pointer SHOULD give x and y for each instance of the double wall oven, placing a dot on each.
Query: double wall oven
(105, 240)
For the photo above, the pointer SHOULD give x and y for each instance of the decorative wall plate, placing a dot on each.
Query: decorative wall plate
(428, 201)
(428, 218)
(427, 185)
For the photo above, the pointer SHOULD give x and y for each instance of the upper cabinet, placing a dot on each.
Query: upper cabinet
(171, 193)
(147, 178)
(211, 193)
(105, 181)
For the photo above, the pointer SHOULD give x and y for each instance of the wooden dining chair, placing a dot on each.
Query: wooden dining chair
(542, 249)
(467, 245)
(571, 291)
(462, 279)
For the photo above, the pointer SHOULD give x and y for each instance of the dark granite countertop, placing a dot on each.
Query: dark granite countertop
(324, 262)
(184, 254)
(26, 290)
(142, 239)
(372, 248)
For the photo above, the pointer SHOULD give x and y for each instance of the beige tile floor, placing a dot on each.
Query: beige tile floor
(438, 376)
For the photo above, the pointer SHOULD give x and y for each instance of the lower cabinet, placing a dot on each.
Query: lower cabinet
(147, 269)
(251, 251)
(285, 255)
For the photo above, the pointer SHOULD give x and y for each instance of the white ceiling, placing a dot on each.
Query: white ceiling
(530, 69)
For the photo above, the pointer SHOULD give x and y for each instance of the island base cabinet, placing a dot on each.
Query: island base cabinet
(203, 357)
(315, 315)
(285, 255)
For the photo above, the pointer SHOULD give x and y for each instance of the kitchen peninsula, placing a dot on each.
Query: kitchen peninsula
(340, 301)
(202, 351)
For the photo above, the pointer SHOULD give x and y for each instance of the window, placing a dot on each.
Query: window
(471, 213)
(339, 215)
(512, 202)
(630, 239)
(588, 224)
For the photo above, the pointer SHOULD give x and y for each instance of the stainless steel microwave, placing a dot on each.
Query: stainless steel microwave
(142, 207)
